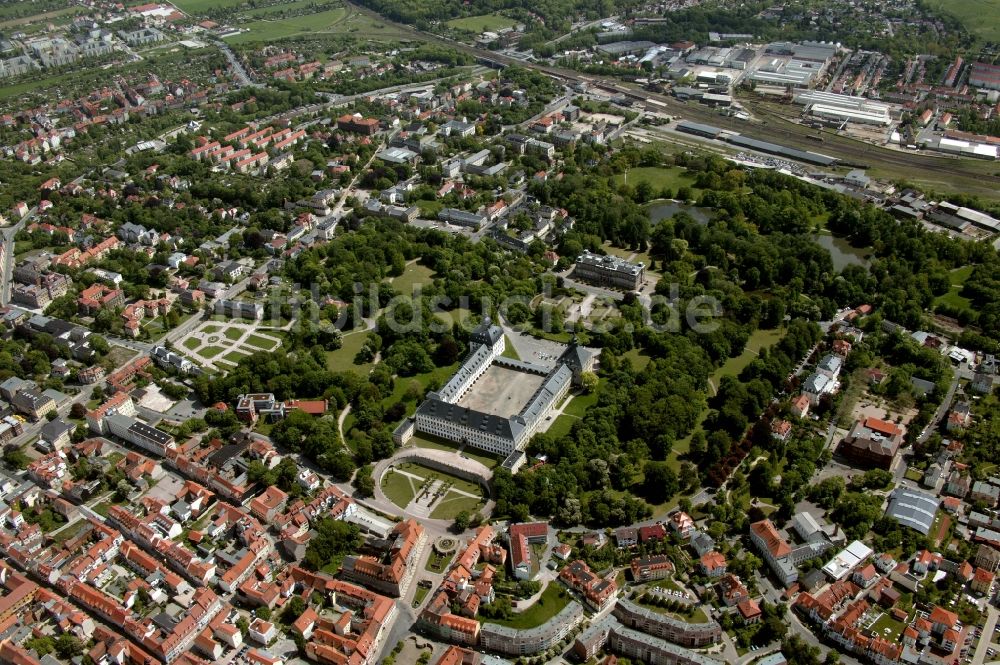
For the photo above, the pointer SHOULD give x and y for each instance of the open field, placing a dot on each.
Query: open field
(272, 29)
(553, 599)
(47, 17)
(959, 276)
(657, 176)
(980, 17)
(198, 6)
(639, 359)
(332, 22)
(482, 23)
(413, 275)
(732, 367)
(343, 358)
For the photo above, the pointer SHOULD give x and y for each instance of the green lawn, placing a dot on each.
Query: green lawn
(580, 404)
(436, 563)
(234, 356)
(419, 595)
(233, 333)
(270, 30)
(398, 488)
(508, 350)
(425, 441)
(429, 209)
(639, 359)
(561, 426)
(659, 177)
(343, 358)
(451, 504)
(758, 340)
(980, 17)
(191, 343)
(401, 489)
(70, 531)
(484, 23)
(552, 600)
(259, 342)
(413, 274)
(481, 456)
(428, 474)
(210, 329)
(210, 351)
(199, 6)
(886, 622)
(959, 276)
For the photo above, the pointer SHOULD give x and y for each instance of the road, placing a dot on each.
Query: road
(8, 254)
(941, 410)
(239, 73)
(987, 636)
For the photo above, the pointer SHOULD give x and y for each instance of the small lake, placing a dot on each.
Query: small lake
(841, 251)
(663, 209)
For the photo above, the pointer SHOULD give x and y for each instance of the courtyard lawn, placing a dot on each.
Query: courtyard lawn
(481, 456)
(210, 351)
(887, 627)
(659, 177)
(429, 209)
(426, 441)
(451, 504)
(233, 334)
(484, 23)
(210, 329)
(70, 531)
(343, 358)
(259, 342)
(191, 343)
(552, 600)
(398, 488)
(414, 274)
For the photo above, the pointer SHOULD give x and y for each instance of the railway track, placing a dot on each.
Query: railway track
(963, 175)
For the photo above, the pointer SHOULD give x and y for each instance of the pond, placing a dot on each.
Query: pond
(664, 209)
(842, 253)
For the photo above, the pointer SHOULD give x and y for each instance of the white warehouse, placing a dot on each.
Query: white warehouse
(844, 107)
